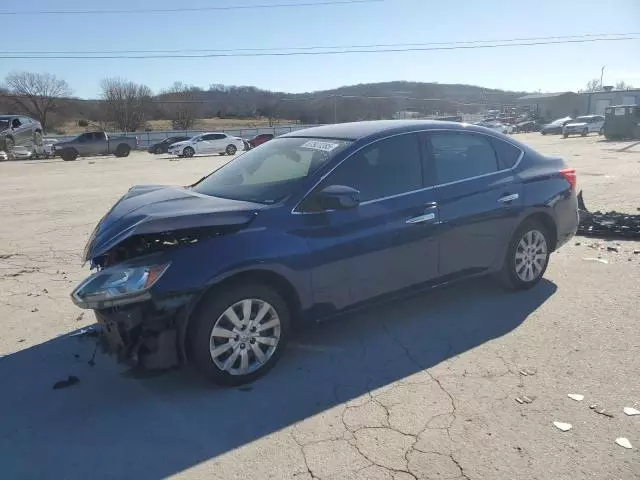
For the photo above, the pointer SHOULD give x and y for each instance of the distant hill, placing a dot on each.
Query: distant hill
(349, 103)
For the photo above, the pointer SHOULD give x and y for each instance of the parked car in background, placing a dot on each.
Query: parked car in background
(584, 126)
(207, 143)
(163, 146)
(555, 127)
(622, 121)
(497, 126)
(314, 223)
(20, 130)
(527, 126)
(260, 139)
(95, 143)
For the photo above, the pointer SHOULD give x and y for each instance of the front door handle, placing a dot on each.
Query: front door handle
(509, 198)
(427, 217)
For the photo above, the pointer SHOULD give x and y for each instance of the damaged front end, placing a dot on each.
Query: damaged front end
(132, 250)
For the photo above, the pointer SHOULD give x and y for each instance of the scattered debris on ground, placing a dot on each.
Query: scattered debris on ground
(601, 411)
(565, 427)
(526, 372)
(524, 399)
(592, 259)
(607, 224)
(71, 380)
(624, 442)
(631, 411)
(576, 396)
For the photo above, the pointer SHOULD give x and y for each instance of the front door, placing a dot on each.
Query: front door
(479, 197)
(206, 144)
(385, 244)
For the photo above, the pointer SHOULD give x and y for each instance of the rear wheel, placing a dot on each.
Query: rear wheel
(188, 152)
(239, 334)
(159, 150)
(527, 256)
(231, 150)
(9, 146)
(585, 132)
(123, 150)
(565, 135)
(601, 131)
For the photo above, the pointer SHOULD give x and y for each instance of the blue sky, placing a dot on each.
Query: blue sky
(532, 68)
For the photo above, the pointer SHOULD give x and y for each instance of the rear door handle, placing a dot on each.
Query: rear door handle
(427, 217)
(509, 198)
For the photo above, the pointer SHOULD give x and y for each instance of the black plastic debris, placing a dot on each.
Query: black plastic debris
(71, 380)
(607, 224)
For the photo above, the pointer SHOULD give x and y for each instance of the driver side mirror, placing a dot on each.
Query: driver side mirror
(337, 197)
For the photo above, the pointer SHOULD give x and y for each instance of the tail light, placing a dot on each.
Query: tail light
(569, 174)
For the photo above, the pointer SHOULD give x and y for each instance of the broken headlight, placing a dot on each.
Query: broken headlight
(118, 285)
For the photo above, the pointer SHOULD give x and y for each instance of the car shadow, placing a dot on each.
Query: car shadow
(115, 425)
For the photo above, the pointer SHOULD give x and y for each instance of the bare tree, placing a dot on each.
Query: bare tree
(126, 103)
(37, 93)
(593, 85)
(622, 85)
(180, 105)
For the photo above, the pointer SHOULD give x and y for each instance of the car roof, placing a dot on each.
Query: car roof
(360, 130)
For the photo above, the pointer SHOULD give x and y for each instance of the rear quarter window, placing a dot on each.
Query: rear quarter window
(507, 154)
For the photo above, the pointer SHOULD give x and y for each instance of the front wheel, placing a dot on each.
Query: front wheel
(188, 152)
(601, 131)
(239, 334)
(585, 132)
(9, 146)
(231, 150)
(565, 135)
(69, 155)
(159, 150)
(527, 257)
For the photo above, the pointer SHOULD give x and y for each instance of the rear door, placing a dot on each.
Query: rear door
(220, 142)
(479, 197)
(206, 144)
(388, 242)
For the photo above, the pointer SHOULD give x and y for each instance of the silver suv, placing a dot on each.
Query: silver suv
(22, 131)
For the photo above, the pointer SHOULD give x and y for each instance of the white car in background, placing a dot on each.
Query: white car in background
(584, 126)
(207, 143)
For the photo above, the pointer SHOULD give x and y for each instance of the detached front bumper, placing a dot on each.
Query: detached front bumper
(146, 335)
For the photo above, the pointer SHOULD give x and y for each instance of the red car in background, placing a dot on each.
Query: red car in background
(260, 139)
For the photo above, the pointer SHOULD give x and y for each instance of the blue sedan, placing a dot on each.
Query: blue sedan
(314, 223)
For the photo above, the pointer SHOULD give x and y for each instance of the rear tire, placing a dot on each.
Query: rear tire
(9, 145)
(585, 132)
(123, 150)
(565, 135)
(159, 150)
(238, 337)
(527, 257)
(231, 150)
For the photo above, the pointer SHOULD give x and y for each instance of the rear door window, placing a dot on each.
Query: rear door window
(460, 156)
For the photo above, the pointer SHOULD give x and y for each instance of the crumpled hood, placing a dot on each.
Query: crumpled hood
(147, 209)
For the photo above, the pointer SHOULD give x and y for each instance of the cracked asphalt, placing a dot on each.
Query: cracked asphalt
(423, 388)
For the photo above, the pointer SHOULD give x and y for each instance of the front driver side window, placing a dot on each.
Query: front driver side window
(385, 168)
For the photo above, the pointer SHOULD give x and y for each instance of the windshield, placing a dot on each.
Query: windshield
(270, 172)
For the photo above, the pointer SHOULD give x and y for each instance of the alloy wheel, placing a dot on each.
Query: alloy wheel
(531, 256)
(245, 336)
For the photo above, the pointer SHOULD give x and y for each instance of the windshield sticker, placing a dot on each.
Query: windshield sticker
(318, 145)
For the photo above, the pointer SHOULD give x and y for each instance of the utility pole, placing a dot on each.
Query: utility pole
(601, 77)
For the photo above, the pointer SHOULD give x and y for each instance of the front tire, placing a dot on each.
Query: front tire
(527, 257)
(69, 155)
(585, 132)
(9, 145)
(159, 150)
(565, 135)
(239, 334)
(188, 152)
